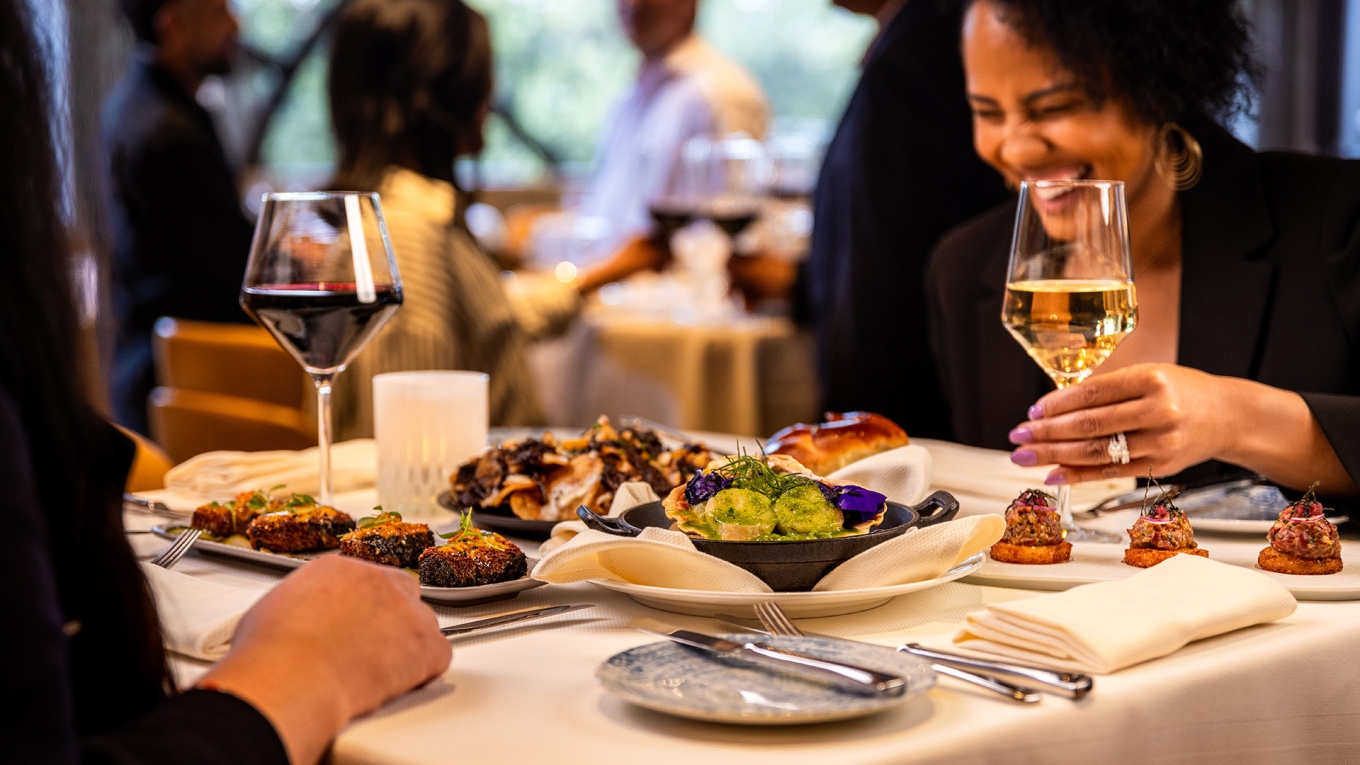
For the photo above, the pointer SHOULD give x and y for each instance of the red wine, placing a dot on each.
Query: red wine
(322, 325)
(733, 223)
(670, 219)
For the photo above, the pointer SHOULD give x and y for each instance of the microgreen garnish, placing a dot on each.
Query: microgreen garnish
(383, 516)
(755, 473)
(1162, 510)
(464, 529)
(299, 500)
(276, 487)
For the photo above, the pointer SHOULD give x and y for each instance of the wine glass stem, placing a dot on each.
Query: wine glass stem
(1065, 507)
(323, 434)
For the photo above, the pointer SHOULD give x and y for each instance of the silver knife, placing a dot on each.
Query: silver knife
(511, 618)
(847, 676)
(1068, 683)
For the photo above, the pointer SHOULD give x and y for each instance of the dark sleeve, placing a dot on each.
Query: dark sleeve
(1339, 414)
(176, 732)
(198, 726)
(184, 206)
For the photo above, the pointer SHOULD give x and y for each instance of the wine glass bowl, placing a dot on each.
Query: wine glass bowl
(1070, 297)
(322, 280)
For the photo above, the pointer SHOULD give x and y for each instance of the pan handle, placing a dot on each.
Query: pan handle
(937, 508)
(612, 526)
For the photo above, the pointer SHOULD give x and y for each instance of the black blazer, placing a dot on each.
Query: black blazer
(180, 239)
(1270, 291)
(899, 172)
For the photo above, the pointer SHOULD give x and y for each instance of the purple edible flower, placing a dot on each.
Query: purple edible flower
(704, 485)
(856, 503)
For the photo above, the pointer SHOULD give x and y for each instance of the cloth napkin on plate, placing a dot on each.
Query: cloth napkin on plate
(662, 558)
(630, 495)
(990, 474)
(224, 474)
(197, 617)
(903, 474)
(1102, 628)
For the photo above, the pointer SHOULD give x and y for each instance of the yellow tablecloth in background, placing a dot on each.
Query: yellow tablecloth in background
(749, 376)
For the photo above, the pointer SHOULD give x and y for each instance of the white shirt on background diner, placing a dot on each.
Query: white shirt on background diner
(691, 91)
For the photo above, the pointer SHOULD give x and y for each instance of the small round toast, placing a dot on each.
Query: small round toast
(1005, 552)
(1144, 557)
(1271, 559)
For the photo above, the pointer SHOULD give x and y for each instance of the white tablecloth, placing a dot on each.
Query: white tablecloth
(1284, 692)
(751, 376)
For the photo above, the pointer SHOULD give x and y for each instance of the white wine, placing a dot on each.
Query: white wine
(1070, 326)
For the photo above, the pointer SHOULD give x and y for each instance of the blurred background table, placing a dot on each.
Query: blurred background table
(745, 374)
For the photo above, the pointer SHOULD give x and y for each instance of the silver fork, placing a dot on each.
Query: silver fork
(171, 555)
(777, 622)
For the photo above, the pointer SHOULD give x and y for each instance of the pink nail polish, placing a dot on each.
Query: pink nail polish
(1022, 435)
(1036, 412)
(1057, 479)
(1024, 458)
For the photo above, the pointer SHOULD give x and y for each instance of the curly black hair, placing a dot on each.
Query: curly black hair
(1172, 60)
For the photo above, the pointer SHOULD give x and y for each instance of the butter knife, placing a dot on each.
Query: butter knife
(846, 676)
(513, 617)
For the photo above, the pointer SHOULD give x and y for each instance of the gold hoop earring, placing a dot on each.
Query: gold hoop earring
(1179, 158)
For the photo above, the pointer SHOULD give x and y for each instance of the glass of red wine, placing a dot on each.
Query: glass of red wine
(739, 183)
(322, 280)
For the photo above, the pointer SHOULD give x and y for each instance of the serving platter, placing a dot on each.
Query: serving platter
(1092, 562)
(449, 596)
(798, 605)
(504, 523)
(669, 678)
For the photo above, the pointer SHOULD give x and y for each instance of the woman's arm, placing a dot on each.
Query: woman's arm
(1175, 417)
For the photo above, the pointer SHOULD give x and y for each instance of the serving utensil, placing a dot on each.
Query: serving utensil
(513, 617)
(774, 620)
(855, 679)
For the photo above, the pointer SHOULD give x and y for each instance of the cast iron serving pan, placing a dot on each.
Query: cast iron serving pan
(792, 566)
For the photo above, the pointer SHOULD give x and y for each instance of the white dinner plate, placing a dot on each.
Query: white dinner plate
(685, 682)
(1093, 562)
(449, 596)
(798, 605)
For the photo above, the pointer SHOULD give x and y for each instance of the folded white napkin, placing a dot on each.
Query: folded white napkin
(1104, 627)
(990, 474)
(662, 558)
(197, 617)
(630, 495)
(902, 474)
(221, 475)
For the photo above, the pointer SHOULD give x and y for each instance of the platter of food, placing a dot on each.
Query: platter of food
(464, 567)
(798, 605)
(524, 487)
(1300, 549)
(732, 691)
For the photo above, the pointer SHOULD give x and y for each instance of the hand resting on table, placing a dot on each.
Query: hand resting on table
(335, 639)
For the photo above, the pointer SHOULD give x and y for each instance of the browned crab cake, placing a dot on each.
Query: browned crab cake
(300, 528)
(1005, 552)
(222, 519)
(391, 542)
(472, 558)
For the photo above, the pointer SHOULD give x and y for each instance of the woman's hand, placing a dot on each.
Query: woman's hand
(333, 640)
(1174, 417)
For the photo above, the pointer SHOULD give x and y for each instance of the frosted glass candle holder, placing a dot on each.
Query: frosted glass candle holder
(426, 424)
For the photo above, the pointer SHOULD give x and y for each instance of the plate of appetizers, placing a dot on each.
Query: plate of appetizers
(1300, 549)
(675, 680)
(466, 566)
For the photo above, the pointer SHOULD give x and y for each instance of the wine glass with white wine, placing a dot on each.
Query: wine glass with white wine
(1070, 298)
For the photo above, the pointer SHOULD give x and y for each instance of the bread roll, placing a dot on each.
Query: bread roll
(844, 438)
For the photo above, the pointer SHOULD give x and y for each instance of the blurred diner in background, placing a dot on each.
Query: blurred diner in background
(329, 327)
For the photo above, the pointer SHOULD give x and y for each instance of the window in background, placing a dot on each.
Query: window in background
(560, 66)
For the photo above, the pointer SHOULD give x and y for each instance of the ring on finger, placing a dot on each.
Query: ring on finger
(1118, 449)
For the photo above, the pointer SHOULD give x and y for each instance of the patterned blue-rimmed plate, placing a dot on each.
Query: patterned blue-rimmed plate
(670, 678)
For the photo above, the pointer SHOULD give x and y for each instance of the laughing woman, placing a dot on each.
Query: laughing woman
(1247, 264)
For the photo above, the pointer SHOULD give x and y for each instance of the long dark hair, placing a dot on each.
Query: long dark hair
(73, 456)
(408, 82)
